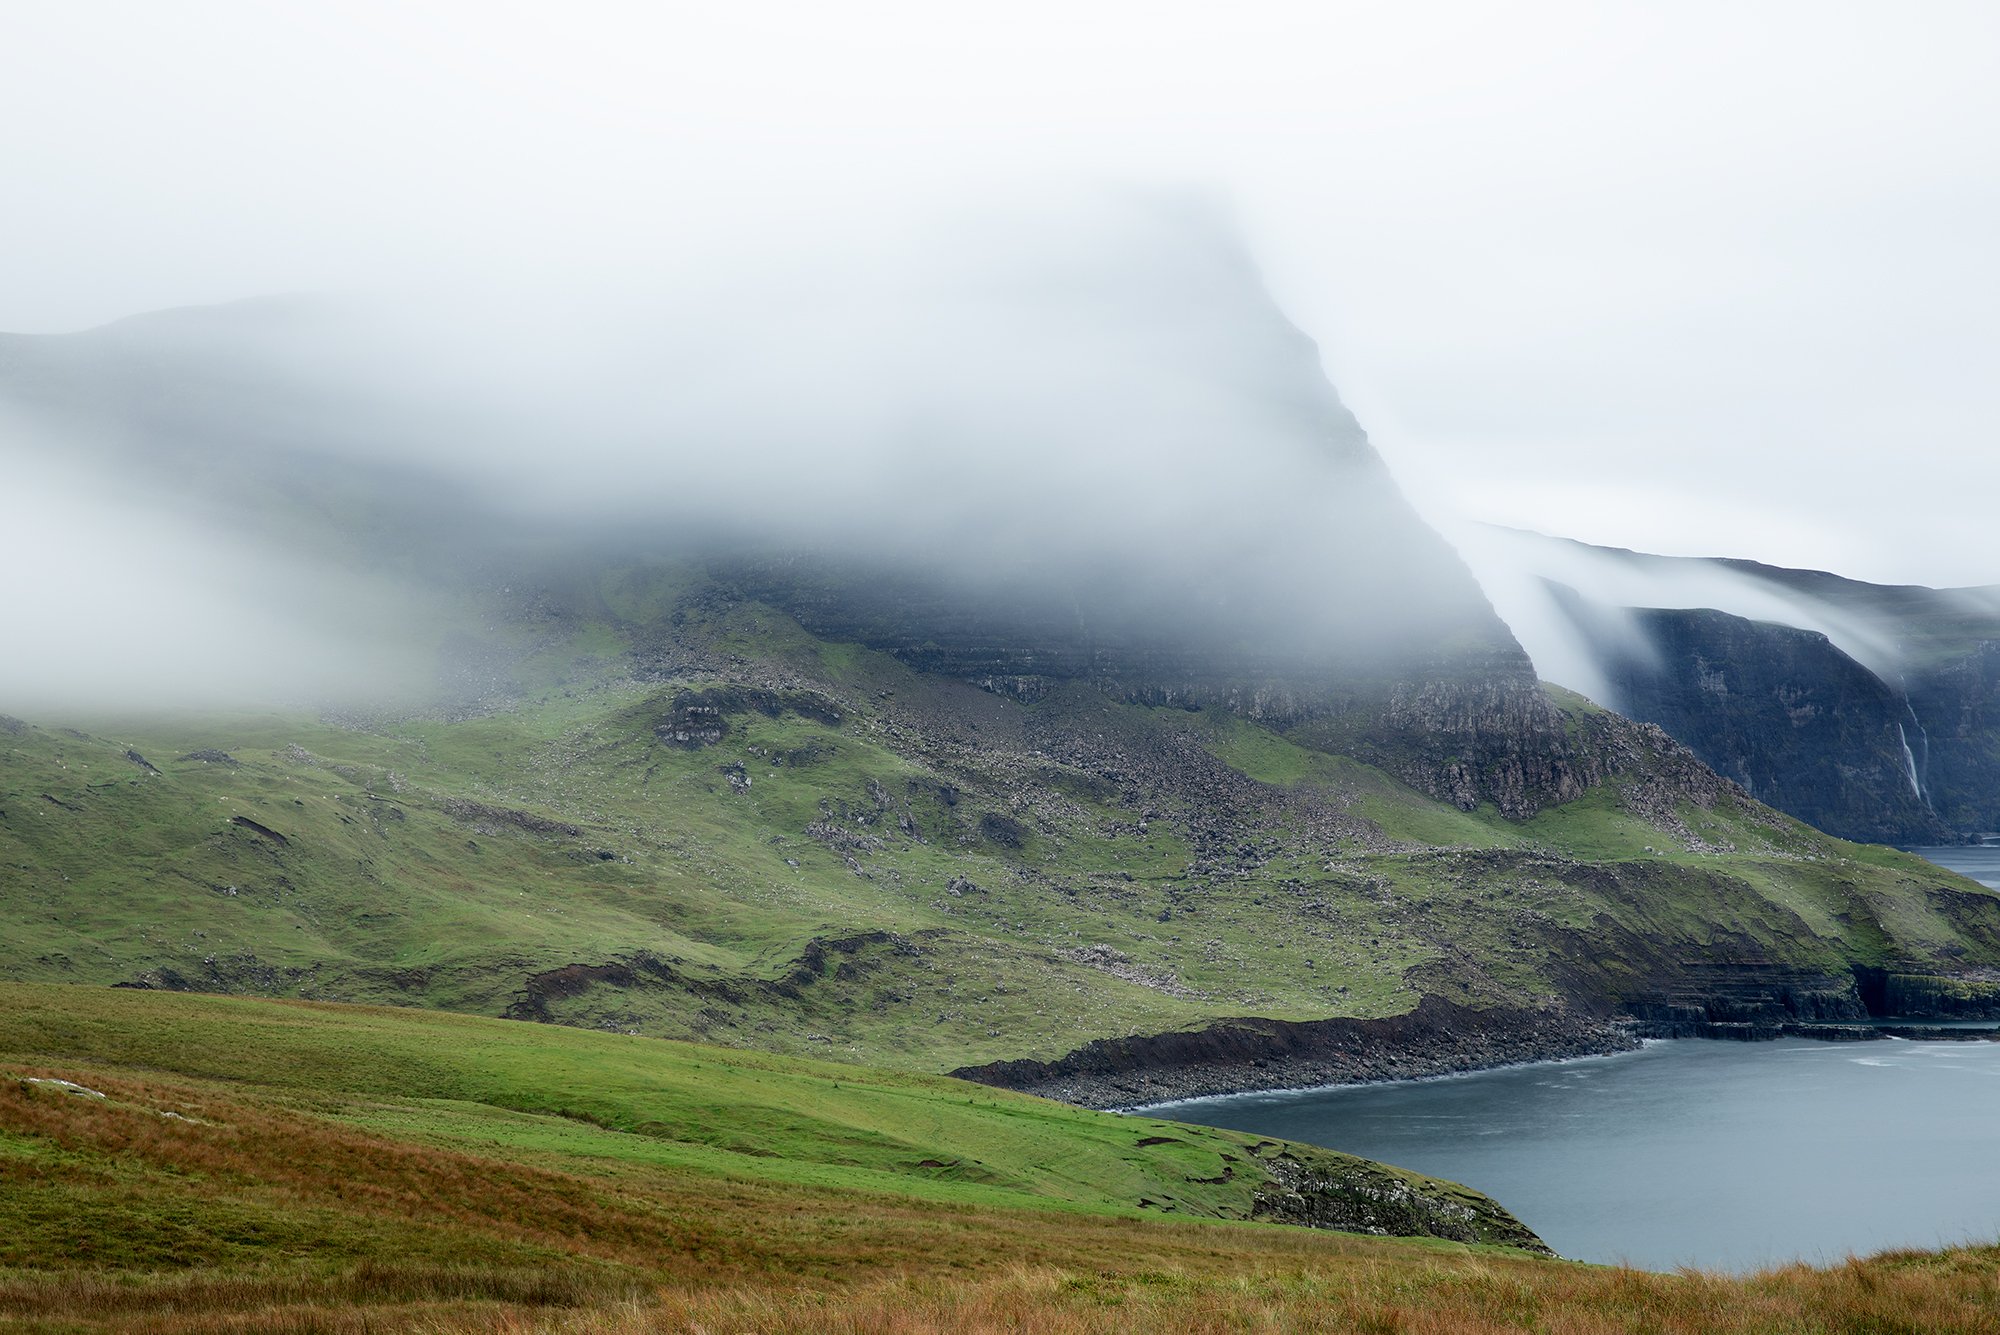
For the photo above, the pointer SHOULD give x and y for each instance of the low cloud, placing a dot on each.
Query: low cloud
(1091, 399)
(122, 596)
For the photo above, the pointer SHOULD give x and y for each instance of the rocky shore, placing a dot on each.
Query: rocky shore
(1242, 1056)
(1437, 1038)
(1757, 1031)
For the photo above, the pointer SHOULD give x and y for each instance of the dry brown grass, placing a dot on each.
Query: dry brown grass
(1455, 1296)
(1350, 1290)
(371, 1296)
(243, 1214)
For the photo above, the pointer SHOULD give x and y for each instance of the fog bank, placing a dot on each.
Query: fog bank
(1086, 401)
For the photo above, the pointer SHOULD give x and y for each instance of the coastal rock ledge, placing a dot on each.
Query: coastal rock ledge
(1238, 1056)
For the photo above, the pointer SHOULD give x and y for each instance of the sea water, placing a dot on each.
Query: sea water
(1979, 861)
(1691, 1151)
(1696, 1152)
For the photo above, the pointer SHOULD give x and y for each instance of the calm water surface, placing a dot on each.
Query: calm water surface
(1692, 1151)
(1695, 1152)
(1980, 862)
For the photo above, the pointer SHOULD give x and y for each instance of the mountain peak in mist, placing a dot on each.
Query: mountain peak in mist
(1091, 424)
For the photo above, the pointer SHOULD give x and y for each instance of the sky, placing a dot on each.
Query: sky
(1700, 278)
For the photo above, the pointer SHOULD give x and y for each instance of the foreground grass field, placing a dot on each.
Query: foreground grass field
(218, 1164)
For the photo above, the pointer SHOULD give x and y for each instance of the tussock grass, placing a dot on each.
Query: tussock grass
(1945, 1296)
(372, 1283)
(1458, 1296)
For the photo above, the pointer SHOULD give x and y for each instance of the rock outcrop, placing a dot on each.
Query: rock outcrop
(1436, 1038)
(1324, 1189)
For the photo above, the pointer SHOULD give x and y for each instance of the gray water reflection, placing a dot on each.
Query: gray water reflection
(1692, 1152)
(1979, 861)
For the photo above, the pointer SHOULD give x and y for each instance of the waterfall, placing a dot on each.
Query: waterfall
(1924, 758)
(1919, 771)
(1910, 762)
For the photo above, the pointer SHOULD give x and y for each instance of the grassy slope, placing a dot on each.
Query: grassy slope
(540, 1090)
(939, 877)
(269, 1166)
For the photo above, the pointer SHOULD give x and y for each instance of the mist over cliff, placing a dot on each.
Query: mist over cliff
(1870, 710)
(1083, 427)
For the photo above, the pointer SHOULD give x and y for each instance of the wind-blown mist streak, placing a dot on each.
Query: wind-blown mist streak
(1525, 575)
(1871, 711)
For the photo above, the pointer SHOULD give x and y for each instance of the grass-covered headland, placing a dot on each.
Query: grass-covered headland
(684, 815)
(182, 1163)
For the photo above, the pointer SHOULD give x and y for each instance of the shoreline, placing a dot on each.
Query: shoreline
(1436, 1041)
(1282, 1091)
(1250, 1056)
(1913, 1031)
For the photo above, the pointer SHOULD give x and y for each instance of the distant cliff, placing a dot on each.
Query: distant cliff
(1958, 705)
(1870, 711)
(1799, 724)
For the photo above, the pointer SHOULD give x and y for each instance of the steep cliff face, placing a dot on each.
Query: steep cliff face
(1782, 711)
(1491, 738)
(1957, 705)
(1870, 711)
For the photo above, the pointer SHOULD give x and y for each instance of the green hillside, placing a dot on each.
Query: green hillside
(545, 1092)
(683, 816)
